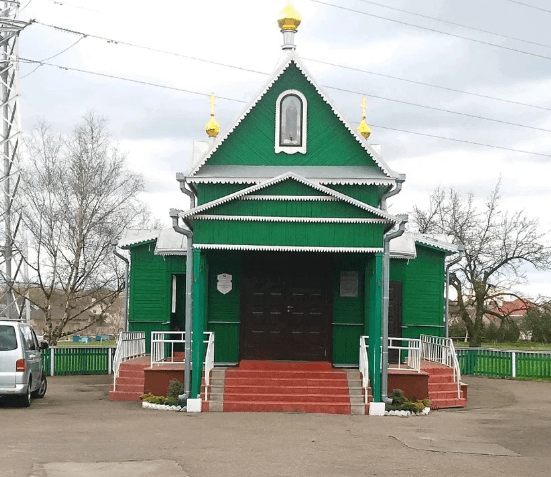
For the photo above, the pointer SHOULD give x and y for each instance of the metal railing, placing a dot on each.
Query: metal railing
(441, 350)
(364, 366)
(504, 363)
(130, 344)
(209, 362)
(408, 354)
(164, 343)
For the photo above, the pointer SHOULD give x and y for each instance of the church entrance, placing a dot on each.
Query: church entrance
(286, 307)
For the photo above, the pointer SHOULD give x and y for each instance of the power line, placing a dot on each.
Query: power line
(455, 24)
(464, 141)
(241, 101)
(427, 84)
(156, 50)
(529, 6)
(432, 30)
(436, 109)
(105, 75)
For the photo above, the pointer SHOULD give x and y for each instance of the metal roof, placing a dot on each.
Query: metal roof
(168, 242)
(319, 174)
(405, 246)
(171, 242)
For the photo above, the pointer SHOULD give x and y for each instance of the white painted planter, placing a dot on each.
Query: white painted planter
(424, 412)
(162, 407)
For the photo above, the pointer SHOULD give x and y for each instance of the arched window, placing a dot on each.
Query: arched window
(290, 122)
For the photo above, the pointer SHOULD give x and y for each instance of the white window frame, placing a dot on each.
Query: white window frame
(291, 149)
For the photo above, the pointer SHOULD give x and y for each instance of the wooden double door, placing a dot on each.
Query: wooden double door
(286, 307)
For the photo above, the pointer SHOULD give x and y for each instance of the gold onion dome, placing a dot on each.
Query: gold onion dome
(212, 128)
(363, 128)
(289, 18)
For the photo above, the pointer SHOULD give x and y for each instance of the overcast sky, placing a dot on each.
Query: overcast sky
(157, 126)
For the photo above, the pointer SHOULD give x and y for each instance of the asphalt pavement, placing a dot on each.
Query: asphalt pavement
(76, 431)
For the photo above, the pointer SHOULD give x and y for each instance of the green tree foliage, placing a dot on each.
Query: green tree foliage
(537, 322)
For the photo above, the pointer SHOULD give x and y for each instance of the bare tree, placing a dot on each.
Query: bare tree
(77, 195)
(498, 247)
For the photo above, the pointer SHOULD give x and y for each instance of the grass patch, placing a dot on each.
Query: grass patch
(519, 345)
(92, 344)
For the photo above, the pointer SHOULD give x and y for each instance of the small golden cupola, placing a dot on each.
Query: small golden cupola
(212, 128)
(363, 128)
(289, 20)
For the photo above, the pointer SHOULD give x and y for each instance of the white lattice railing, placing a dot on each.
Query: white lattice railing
(130, 344)
(409, 352)
(441, 350)
(364, 366)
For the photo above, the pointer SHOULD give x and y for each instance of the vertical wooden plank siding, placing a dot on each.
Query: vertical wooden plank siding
(209, 192)
(423, 284)
(330, 143)
(224, 311)
(348, 312)
(151, 289)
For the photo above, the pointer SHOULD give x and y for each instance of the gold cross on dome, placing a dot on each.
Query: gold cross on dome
(364, 105)
(212, 103)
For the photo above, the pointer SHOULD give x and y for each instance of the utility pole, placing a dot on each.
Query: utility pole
(10, 27)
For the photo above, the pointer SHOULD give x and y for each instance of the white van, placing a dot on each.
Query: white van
(21, 372)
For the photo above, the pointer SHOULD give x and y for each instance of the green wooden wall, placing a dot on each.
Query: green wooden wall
(150, 289)
(224, 317)
(422, 291)
(288, 234)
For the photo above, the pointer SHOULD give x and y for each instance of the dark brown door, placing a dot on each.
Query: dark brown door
(286, 307)
(394, 317)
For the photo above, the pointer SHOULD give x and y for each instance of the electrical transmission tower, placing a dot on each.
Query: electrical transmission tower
(11, 259)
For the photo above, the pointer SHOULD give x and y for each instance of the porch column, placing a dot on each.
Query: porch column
(199, 315)
(373, 300)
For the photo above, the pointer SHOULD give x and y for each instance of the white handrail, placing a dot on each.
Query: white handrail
(410, 354)
(364, 366)
(162, 350)
(130, 344)
(441, 350)
(209, 361)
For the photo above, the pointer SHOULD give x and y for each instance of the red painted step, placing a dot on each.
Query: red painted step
(283, 386)
(442, 387)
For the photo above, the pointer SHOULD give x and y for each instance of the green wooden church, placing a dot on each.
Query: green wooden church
(294, 255)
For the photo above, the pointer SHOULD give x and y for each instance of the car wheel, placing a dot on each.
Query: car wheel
(26, 398)
(41, 391)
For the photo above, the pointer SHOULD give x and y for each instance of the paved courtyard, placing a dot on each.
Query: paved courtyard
(76, 431)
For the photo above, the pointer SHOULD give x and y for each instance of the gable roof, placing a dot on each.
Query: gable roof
(283, 177)
(405, 246)
(386, 175)
(167, 241)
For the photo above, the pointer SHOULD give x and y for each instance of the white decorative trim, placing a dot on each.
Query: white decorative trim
(308, 220)
(286, 248)
(162, 407)
(432, 242)
(281, 178)
(257, 180)
(294, 59)
(304, 125)
(291, 198)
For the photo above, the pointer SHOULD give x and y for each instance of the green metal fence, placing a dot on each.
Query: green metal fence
(504, 363)
(81, 360)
